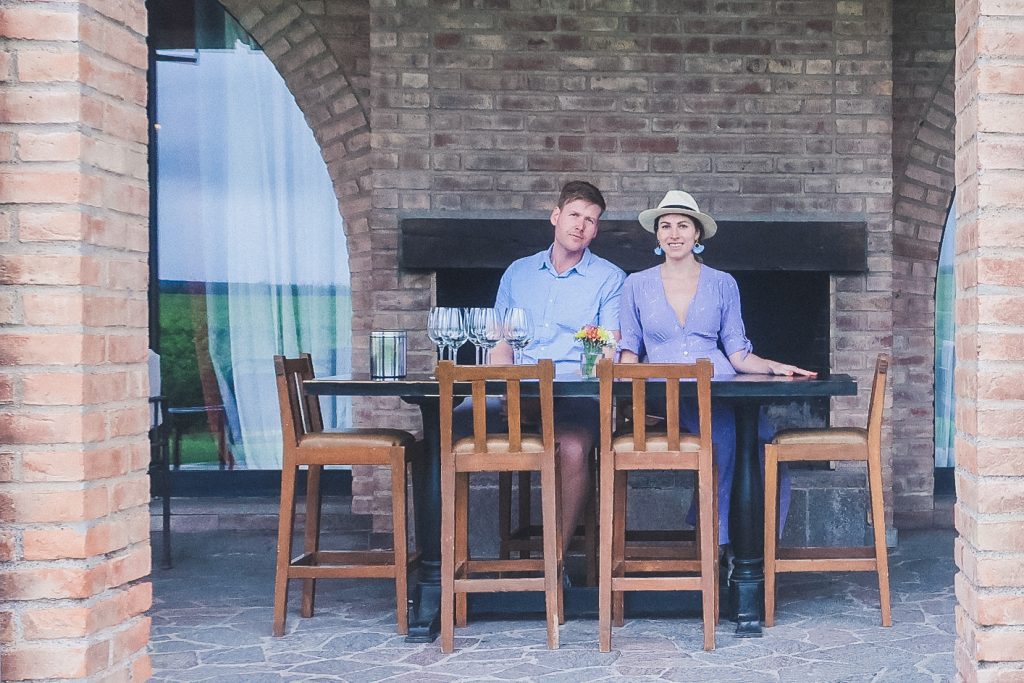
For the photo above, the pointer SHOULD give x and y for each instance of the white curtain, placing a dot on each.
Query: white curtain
(945, 356)
(257, 219)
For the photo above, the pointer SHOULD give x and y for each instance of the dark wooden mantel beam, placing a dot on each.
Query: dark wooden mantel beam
(441, 243)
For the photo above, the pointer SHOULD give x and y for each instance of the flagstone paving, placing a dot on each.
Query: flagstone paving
(212, 615)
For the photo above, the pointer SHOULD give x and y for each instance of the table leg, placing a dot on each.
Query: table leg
(425, 607)
(746, 526)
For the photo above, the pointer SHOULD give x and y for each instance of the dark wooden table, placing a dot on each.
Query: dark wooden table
(746, 393)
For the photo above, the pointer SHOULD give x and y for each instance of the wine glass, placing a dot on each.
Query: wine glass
(435, 329)
(489, 330)
(454, 331)
(518, 331)
(470, 316)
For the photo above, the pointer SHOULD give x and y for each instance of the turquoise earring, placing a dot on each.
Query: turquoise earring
(658, 251)
(698, 248)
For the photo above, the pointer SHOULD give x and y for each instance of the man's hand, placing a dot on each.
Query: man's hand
(502, 354)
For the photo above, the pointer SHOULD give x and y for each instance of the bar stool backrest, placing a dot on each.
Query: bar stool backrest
(671, 374)
(300, 412)
(448, 374)
(877, 404)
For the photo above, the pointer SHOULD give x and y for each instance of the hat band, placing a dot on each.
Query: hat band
(679, 206)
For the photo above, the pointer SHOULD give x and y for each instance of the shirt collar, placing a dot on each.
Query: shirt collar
(581, 267)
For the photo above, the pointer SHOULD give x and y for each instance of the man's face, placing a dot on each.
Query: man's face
(575, 225)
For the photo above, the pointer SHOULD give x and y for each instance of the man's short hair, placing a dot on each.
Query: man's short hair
(580, 189)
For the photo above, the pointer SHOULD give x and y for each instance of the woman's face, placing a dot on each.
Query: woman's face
(677, 234)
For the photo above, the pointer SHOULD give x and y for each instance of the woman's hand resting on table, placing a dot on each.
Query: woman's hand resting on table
(776, 368)
(753, 364)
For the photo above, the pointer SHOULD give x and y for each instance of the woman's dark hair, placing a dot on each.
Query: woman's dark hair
(580, 189)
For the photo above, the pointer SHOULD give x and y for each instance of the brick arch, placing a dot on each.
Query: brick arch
(922, 193)
(322, 50)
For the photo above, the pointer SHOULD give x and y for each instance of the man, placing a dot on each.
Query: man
(564, 288)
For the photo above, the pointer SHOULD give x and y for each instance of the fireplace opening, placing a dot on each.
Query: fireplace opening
(782, 269)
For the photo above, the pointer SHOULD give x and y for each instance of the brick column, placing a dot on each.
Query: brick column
(990, 344)
(74, 522)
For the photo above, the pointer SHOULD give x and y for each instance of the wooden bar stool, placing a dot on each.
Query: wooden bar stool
(837, 443)
(514, 451)
(306, 443)
(624, 570)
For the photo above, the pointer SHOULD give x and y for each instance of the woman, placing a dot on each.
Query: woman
(679, 311)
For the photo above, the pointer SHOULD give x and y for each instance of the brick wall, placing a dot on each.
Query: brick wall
(773, 110)
(990, 395)
(74, 518)
(923, 143)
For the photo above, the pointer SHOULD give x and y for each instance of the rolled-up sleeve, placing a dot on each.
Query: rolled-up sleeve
(611, 301)
(732, 332)
(629, 319)
(503, 300)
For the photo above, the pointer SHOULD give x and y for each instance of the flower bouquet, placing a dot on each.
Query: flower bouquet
(594, 339)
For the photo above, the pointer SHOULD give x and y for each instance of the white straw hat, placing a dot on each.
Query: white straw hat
(679, 202)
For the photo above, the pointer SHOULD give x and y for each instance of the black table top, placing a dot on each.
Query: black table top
(744, 386)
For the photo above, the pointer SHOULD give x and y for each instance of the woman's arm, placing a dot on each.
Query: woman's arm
(628, 357)
(754, 364)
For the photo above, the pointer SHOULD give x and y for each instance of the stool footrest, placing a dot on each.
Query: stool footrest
(826, 559)
(656, 583)
(494, 566)
(649, 566)
(525, 584)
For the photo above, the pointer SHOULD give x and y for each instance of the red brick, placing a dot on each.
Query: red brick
(51, 583)
(53, 466)
(56, 187)
(31, 23)
(141, 668)
(53, 389)
(132, 639)
(6, 627)
(7, 551)
(48, 269)
(129, 567)
(40, 66)
(52, 427)
(50, 349)
(38, 226)
(57, 622)
(999, 645)
(32, 505)
(53, 308)
(131, 493)
(991, 496)
(49, 146)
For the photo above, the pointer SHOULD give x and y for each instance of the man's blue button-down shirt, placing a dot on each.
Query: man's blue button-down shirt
(559, 305)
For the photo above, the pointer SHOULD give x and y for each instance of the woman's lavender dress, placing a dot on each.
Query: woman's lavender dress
(651, 329)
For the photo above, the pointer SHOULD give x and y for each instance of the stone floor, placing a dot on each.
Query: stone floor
(212, 615)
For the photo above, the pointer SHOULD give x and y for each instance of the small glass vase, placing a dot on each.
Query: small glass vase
(588, 364)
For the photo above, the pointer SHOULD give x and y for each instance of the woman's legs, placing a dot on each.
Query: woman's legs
(723, 438)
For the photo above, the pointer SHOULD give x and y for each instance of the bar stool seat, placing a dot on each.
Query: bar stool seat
(837, 443)
(306, 443)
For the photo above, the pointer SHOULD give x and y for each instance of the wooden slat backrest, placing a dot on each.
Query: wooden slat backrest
(670, 373)
(300, 412)
(877, 404)
(449, 374)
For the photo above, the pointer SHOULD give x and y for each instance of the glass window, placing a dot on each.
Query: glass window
(251, 254)
(945, 355)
